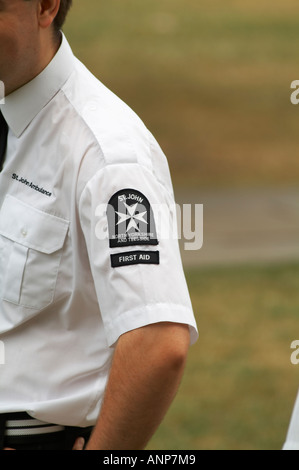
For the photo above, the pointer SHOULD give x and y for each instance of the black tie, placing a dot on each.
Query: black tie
(3, 139)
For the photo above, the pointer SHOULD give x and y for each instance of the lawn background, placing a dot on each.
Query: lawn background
(240, 385)
(211, 79)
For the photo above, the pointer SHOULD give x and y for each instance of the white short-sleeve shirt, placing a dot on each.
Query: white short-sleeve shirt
(85, 202)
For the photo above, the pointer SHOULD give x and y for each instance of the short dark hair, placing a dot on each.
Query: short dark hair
(65, 5)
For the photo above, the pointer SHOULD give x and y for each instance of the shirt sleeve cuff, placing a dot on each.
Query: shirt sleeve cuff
(150, 314)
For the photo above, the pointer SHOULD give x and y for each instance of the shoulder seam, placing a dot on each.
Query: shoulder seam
(96, 140)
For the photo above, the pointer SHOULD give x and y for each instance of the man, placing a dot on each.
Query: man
(95, 317)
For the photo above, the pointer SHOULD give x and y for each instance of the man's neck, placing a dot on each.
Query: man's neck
(48, 48)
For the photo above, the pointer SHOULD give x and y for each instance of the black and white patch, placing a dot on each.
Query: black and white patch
(130, 220)
(135, 257)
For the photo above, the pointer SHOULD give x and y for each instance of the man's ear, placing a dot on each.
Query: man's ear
(47, 11)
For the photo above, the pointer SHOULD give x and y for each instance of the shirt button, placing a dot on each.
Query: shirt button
(24, 232)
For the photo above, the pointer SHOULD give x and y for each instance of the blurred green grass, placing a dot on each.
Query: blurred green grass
(240, 385)
(210, 79)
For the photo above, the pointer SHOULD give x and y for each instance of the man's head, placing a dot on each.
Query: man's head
(29, 38)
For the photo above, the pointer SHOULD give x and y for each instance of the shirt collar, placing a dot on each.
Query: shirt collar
(25, 103)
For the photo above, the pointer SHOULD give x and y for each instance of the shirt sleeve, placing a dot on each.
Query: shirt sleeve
(128, 217)
(292, 439)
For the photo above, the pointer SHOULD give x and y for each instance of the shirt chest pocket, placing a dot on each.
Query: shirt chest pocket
(30, 253)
